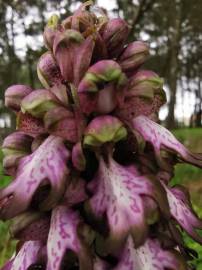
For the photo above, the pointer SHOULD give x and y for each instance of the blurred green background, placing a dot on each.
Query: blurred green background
(173, 29)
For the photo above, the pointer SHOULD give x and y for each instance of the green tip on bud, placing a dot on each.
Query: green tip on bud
(104, 129)
(39, 102)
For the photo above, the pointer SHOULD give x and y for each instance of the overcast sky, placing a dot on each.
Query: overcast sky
(185, 104)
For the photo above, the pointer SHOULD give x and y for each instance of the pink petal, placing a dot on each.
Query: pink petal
(47, 163)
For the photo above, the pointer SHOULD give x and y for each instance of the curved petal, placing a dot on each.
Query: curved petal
(149, 256)
(118, 193)
(181, 211)
(161, 138)
(28, 255)
(63, 236)
(47, 163)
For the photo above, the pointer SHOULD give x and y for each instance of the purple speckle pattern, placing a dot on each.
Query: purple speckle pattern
(48, 162)
(181, 211)
(150, 256)
(161, 138)
(62, 236)
(28, 255)
(118, 193)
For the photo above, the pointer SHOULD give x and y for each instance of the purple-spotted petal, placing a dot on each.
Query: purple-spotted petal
(63, 237)
(161, 138)
(29, 124)
(48, 71)
(118, 194)
(46, 166)
(28, 255)
(149, 256)
(181, 211)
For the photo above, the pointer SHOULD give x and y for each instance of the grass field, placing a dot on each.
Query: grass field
(184, 174)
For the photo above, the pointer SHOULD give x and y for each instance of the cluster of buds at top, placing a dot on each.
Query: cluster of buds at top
(90, 164)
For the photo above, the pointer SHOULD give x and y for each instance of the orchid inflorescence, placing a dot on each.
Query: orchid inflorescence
(91, 165)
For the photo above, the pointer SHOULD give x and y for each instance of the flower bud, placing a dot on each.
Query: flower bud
(114, 35)
(14, 95)
(61, 122)
(48, 71)
(82, 20)
(64, 47)
(104, 129)
(39, 102)
(50, 31)
(146, 83)
(15, 146)
(134, 55)
(98, 89)
(102, 72)
(78, 158)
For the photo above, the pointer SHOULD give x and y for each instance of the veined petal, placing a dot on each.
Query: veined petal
(161, 138)
(28, 255)
(150, 256)
(118, 194)
(47, 165)
(63, 237)
(181, 211)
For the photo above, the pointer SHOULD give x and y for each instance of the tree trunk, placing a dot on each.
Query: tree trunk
(174, 43)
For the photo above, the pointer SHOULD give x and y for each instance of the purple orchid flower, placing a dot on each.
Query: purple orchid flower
(91, 166)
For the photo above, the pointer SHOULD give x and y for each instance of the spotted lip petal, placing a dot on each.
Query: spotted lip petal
(28, 255)
(181, 211)
(29, 124)
(149, 256)
(63, 237)
(118, 194)
(47, 163)
(161, 138)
